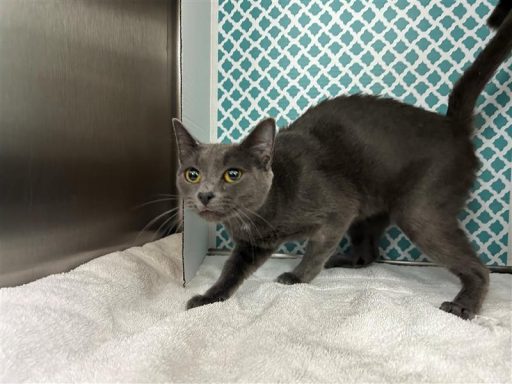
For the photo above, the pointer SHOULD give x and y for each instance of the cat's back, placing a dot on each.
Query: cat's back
(363, 114)
(371, 126)
(371, 141)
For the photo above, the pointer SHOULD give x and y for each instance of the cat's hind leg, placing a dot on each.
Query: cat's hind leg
(320, 246)
(364, 237)
(438, 235)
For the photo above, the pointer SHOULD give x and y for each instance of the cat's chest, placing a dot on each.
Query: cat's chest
(268, 233)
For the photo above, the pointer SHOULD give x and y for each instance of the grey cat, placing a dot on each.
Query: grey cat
(351, 163)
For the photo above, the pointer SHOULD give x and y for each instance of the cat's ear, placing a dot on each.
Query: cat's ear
(261, 141)
(187, 144)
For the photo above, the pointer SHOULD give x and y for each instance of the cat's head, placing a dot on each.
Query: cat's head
(221, 181)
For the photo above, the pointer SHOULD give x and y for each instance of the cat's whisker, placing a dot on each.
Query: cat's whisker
(249, 233)
(251, 238)
(253, 225)
(167, 195)
(172, 217)
(258, 216)
(172, 210)
(156, 201)
(177, 227)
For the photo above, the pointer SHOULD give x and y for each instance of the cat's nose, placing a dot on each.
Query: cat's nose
(205, 197)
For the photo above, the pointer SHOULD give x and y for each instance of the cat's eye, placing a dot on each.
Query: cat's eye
(232, 175)
(192, 175)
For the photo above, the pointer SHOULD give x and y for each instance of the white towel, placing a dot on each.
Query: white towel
(121, 318)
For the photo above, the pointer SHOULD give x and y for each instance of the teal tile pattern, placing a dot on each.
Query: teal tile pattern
(278, 57)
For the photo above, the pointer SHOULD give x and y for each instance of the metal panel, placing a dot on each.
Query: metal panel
(87, 91)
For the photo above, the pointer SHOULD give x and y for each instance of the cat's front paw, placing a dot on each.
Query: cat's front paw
(457, 310)
(200, 300)
(288, 278)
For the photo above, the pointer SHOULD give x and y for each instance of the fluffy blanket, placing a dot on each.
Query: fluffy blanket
(121, 318)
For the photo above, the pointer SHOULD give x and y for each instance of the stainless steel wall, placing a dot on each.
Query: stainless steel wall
(87, 91)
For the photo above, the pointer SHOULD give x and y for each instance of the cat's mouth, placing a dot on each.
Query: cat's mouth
(210, 214)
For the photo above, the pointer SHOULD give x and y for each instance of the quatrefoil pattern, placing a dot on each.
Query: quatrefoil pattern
(279, 57)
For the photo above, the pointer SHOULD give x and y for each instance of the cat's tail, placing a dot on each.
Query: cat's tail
(500, 13)
(466, 91)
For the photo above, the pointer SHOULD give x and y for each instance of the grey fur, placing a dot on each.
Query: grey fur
(350, 163)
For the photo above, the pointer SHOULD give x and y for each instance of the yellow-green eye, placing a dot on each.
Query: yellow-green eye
(192, 175)
(232, 175)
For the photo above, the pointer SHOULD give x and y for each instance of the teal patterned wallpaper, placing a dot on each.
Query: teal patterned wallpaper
(278, 57)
